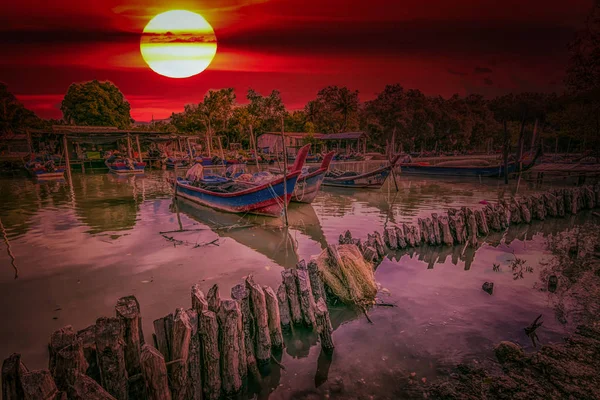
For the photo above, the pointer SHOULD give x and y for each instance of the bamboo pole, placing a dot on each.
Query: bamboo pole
(129, 147)
(139, 148)
(285, 200)
(67, 159)
(189, 146)
(222, 153)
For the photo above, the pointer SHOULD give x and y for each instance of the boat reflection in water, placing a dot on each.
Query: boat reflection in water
(266, 235)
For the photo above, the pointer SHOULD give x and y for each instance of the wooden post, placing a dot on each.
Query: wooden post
(111, 356)
(285, 199)
(199, 303)
(228, 317)
(316, 283)
(180, 347)
(284, 306)
(129, 147)
(189, 146)
(12, 371)
(194, 386)
(163, 335)
(85, 387)
(259, 310)
(213, 298)
(292, 293)
(254, 146)
(223, 161)
(209, 333)
(154, 371)
(67, 158)
(274, 318)
(128, 311)
(38, 385)
(241, 294)
(88, 338)
(59, 339)
(70, 362)
(324, 326)
(307, 301)
(139, 148)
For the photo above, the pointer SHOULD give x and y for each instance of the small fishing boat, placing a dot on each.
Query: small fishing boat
(244, 197)
(370, 180)
(120, 165)
(45, 170)
(310, 181)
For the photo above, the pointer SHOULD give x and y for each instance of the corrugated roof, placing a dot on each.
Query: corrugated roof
(322, 136)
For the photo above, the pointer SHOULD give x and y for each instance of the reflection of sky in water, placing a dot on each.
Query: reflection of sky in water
(79, 251)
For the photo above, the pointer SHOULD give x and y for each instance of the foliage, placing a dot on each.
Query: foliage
(334, 110)
(96, 103)
(14, 117)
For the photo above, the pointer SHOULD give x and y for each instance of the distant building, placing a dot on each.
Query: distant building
(346, 142)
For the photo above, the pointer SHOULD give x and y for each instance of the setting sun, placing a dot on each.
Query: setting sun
(178, 44)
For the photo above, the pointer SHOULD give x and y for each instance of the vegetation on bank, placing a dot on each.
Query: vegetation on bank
(567, 121)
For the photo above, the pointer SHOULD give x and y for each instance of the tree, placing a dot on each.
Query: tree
(97, 104)
(215, 111)
(334, 110)
(14, 117)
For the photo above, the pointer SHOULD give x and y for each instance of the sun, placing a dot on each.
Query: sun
(178, 44)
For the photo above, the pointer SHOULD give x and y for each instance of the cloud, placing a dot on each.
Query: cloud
(482, 70)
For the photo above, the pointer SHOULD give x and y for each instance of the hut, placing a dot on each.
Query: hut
(345, 142)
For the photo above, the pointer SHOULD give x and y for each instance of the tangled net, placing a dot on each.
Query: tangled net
(347, 274)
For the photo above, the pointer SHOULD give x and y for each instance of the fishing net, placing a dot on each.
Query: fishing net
(347, 274)
(195, 173)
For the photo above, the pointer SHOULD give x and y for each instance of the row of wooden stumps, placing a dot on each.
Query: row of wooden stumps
(464, 226)
(204, 352)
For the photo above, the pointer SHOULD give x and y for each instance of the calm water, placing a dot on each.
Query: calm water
(69, 253)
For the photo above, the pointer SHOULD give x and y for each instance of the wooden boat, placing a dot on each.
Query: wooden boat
(370, 180)
(245, 197)
(125, 166)
(308, 185)
(45, 170)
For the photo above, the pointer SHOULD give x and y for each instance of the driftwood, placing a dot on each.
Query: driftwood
(154, 372)
(12, 371)
(228, 317)
(163, 335)
(307, 301)
(194, 381)
(316, 283)
(532, 328)
(259, 311)
(284, 306)
(111, 356)
(241, 294)
(291, 288)
(39, 385)
(128, 310)
(213, 298)
(274, 318)
(209, 333)
(324, 325)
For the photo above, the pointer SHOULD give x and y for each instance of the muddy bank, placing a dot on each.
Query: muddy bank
(556, 371)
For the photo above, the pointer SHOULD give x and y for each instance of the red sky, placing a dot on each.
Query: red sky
(296, 46)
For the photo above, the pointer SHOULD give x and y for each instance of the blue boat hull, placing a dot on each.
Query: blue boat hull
(308, 188)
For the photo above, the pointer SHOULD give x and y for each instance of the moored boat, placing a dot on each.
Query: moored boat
(244, 197)
(309, 183)
(44, 170)
(119, 165)
(369, 180)
(447, 170)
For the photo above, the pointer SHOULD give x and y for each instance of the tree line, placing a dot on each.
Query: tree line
(565, 121)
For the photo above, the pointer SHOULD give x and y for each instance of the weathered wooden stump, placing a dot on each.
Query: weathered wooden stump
(550, 204)
(284, 306)
(194, 381)
(515, 212)
(60, 339)
(389, 236)
(560, 202)
(213, 298)
(457, 228)
(128, 311)
(447, 237)
(370, 254)
(163, 335)
(69, 362)
(539, 208)
(590, 197)
(400, 237)
(307, 301)
(12, 371)
(180, 348)
(241, 294)
(39, 385)
(291, 288)
(274, 318)
(324, 326)
(111, 356)
(435, 226)
(482, 225)
(414, 231)
(228, 317)
(88, 338)
(492, 218)
(199, 303)
(259, 310)
(154, 371)
(316, 283)
(472, 229)
(209, 333)
(85, 388)
(525, 212)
